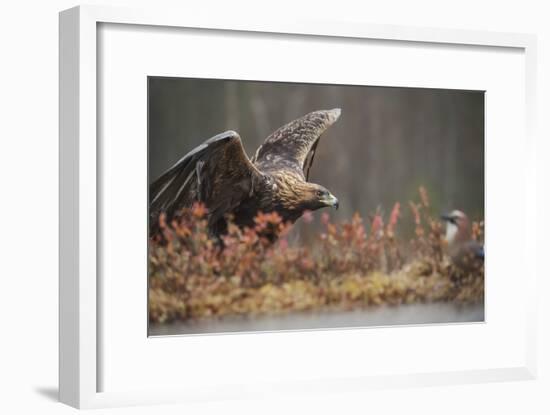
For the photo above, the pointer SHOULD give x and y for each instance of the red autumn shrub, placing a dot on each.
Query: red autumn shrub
(351, 264)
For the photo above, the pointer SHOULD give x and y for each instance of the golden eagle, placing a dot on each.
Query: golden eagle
(219, 174)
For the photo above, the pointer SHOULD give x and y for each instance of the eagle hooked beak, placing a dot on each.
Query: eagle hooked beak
(331, 201)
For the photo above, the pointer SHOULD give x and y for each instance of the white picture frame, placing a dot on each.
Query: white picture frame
(80, 166)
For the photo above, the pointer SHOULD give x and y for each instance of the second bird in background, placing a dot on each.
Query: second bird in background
(465, 252)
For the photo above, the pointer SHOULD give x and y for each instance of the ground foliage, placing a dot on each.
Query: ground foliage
(355, 264)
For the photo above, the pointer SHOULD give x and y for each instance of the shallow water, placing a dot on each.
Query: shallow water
(417, 314)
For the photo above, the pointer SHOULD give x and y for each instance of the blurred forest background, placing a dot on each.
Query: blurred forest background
(387, 142)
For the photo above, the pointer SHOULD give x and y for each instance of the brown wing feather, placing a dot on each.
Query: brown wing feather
(217, 173)
(293, 145)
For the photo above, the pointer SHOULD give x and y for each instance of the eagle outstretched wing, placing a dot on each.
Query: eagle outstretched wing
(217, 173)
(293, 145)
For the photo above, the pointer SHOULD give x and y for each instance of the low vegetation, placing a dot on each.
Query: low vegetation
(355, 264)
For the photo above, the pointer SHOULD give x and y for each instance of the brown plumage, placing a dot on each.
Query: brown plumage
(219, 174)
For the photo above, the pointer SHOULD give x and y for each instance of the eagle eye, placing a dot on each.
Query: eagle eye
(320, 193)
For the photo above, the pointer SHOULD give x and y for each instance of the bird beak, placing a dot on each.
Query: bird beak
(332, 201)
(446, 217)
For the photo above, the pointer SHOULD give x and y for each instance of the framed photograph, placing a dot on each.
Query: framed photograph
(257, 208)
(254, 243)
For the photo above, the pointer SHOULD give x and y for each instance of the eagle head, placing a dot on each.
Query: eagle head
(315, 196)
(291, 196)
